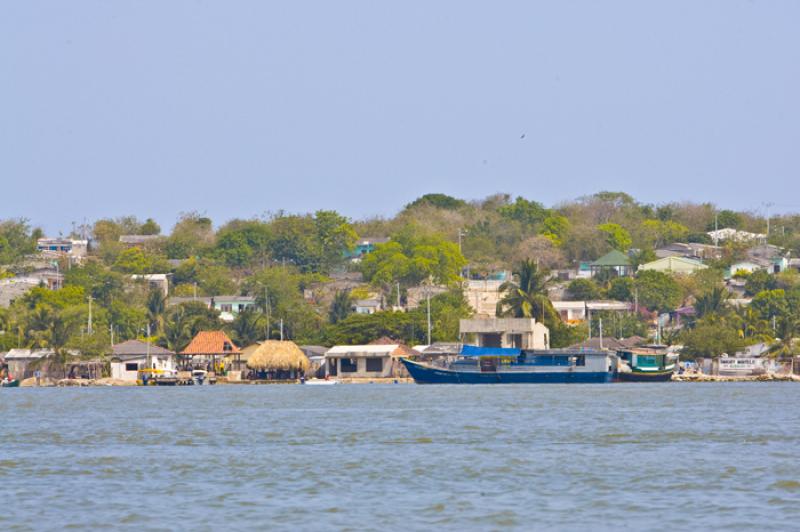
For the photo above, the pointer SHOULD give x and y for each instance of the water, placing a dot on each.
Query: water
(660, 456)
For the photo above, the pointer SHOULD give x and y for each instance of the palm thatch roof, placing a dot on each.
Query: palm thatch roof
(278, 355)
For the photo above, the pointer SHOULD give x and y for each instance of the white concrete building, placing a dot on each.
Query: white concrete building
(523, 333)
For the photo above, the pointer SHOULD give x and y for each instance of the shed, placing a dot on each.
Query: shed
(128, 357)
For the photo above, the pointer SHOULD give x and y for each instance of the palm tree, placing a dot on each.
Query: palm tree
(787, 332)
(712, 302)
(248, 327)
(752, 325)
(341, 306)
(177, 330)
(527, 297)
(156, 305)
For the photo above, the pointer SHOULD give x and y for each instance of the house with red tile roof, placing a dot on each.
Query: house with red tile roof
(208, 346)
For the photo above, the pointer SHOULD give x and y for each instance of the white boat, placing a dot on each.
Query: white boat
(320, 382)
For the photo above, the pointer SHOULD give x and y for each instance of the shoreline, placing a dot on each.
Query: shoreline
(105, 382)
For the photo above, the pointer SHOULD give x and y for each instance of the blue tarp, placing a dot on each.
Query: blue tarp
(475, 351)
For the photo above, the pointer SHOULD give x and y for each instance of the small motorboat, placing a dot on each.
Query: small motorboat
(320, 382)
(9, 383)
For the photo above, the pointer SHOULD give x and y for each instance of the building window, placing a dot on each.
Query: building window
(580, 360)
(131, 366)
(491, 340)
(348, 365)
(226, 308)
(375, 364)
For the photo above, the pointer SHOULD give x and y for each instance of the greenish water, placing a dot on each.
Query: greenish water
(651, 456)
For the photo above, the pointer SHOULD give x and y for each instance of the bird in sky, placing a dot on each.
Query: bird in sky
(522, 136)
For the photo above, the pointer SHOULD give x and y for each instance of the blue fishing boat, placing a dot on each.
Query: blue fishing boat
(488, 365)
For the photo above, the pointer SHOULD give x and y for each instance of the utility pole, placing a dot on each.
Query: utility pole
(147, 356)
(89, 325)
(600, 325)
(398, 294)
(716, 229)
(111, 332)
(267, 309)
(428, 294)
(281, 329)
(768, 205)
(194, 287)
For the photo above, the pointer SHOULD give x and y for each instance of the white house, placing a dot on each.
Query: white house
(129, 357)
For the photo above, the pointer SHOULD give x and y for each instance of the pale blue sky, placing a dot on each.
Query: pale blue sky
(234, 108)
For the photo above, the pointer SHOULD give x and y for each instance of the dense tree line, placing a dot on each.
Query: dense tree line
(436, 239)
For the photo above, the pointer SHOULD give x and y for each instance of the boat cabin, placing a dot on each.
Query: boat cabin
(647, 358)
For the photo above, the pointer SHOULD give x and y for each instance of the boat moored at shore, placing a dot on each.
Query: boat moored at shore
(646, 364)
(477, 365)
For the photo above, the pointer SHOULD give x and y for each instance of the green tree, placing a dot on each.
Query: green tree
(150, 227)
(713, 303)
(244, 242)
(786, 335)
(759, 281)
(248, 327)
(193, 235)
(341, 307)
(770, 304)
(657, 291)
(133, 261)
(583, 290)
(556, 228)
(524, 211)
(621, 289)
(441, 201)
(156, 306)
(411, 259)
(527, 296)
(335, 236)
(710, 339)
(616, 236)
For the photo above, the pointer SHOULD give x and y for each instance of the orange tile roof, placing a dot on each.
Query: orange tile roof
(210, 343)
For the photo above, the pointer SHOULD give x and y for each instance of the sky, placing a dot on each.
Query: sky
(239, 108)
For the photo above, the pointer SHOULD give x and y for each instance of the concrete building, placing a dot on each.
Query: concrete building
(367, 361)
(14, 288)
(19, 361)
(127, 358)
(64, 246)
(156, 281)
(483, 295)
(523, 333)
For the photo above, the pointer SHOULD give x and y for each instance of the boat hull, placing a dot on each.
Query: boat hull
(645, 376)
(424, 374)
(10, 384)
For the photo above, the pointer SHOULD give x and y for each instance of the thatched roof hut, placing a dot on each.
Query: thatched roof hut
(278, 355)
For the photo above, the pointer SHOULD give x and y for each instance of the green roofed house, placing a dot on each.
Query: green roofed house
(674, 265)
(613, 260)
